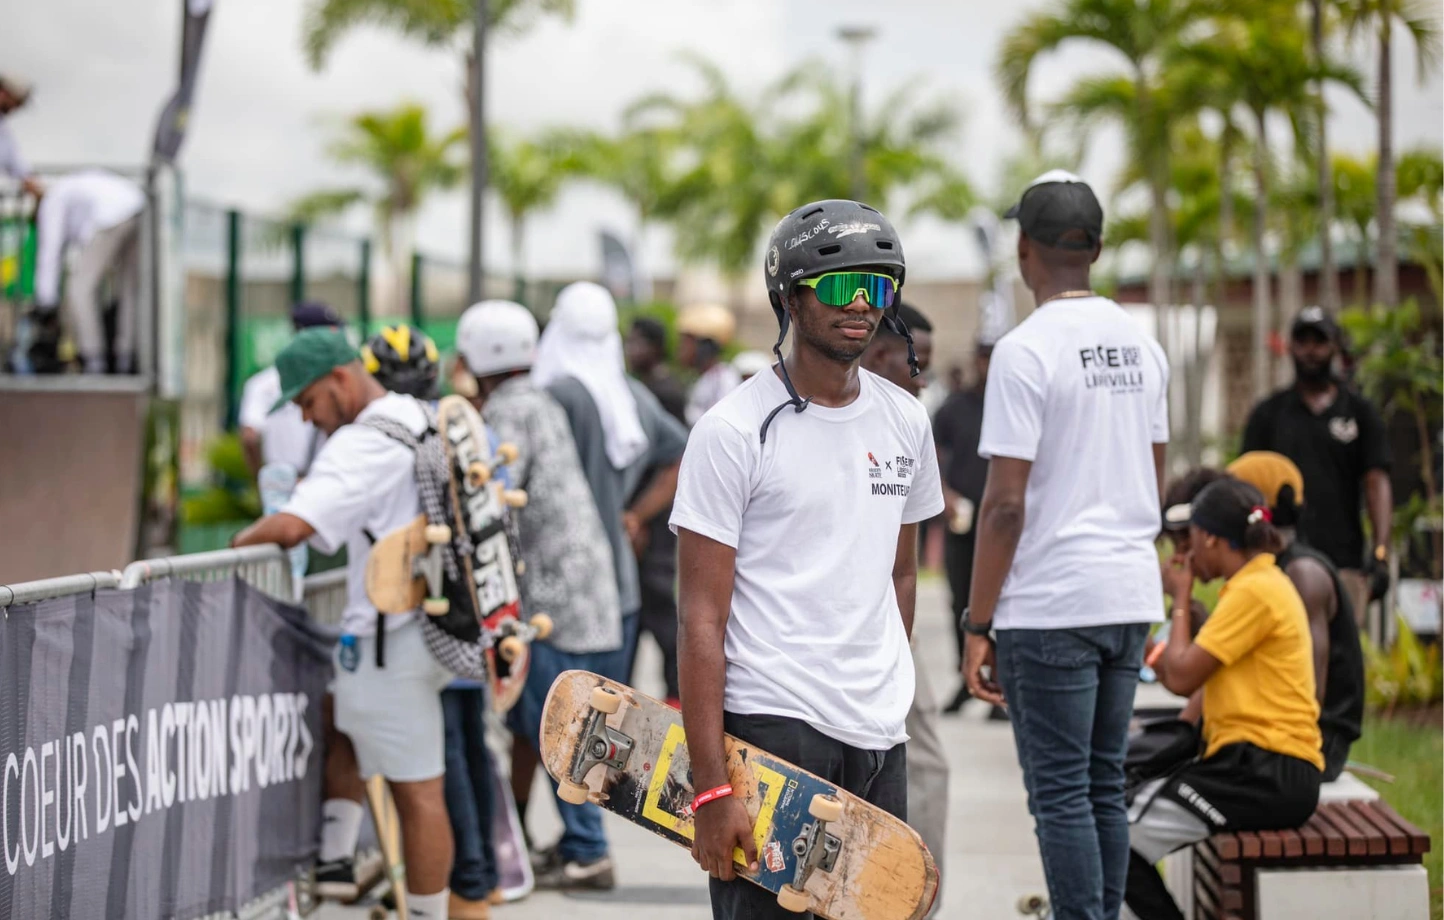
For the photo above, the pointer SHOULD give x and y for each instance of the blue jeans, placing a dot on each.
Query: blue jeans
(469, 792)
(583, 839)
(1070, 694)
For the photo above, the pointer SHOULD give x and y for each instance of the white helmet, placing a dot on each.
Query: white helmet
(495, 336)
(750, 363)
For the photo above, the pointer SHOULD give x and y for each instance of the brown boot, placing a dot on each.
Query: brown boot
(459, 908)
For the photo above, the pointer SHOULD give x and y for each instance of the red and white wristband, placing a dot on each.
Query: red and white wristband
(711, 795)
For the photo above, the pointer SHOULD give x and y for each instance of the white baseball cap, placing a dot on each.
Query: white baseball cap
(495, 336)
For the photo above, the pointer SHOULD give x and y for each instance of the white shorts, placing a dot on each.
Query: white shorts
(393, 714)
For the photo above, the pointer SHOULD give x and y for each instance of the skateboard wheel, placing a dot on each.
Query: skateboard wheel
(793, 899)
(438, 534)
(606, 701)
(478, 474)
(514, 498)
(506, 452)
(436, 606)
(379, 913)
(542, 624)
(825, 808)
(572, 793)
(510, 649)
(1032, 904)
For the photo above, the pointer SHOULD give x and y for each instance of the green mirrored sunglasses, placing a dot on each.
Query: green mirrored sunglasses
(838, 289)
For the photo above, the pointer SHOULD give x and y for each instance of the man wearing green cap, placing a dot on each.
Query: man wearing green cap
(361, 486)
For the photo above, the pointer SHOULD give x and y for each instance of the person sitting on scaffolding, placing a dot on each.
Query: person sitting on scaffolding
(95, 215)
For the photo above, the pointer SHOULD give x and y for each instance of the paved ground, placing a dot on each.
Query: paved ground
(991, 855)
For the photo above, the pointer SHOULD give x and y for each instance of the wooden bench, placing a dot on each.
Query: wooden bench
(1340, 835)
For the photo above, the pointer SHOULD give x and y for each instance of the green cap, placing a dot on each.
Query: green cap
(311, 355)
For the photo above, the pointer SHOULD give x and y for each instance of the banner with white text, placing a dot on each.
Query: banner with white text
(160, 751)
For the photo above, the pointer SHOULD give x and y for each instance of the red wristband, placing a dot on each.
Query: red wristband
(711, 795)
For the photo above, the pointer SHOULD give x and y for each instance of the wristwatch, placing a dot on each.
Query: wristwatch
(974, 629)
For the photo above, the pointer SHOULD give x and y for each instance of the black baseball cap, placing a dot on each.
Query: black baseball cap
(1055, 203)
(309, 314)
(1315, 319)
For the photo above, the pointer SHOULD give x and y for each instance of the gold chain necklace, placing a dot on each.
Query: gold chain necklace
(1067, 295)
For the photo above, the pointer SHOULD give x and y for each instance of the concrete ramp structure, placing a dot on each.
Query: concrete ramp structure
(71, 470)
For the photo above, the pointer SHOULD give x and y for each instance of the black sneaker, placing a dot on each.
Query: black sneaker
(545, 860)
(955, 705)
(336, 880)
(570, 875)
(44, 351)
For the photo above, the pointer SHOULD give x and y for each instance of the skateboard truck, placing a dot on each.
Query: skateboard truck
(815, 849)
(599, 744)
(429, 566)
(515, 635)
(479, 472)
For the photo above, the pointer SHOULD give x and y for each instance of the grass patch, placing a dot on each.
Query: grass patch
(1412, 750)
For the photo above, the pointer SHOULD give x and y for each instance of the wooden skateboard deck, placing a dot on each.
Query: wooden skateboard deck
(404, 573)
(388, 837)
(480, 506)
(868, 865)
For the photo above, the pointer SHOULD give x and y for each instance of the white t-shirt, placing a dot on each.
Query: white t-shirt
(286, 436)
(814, 514)
(74, 209)
(719, 380)
(1079, 389)
(362, 482)
(12, 163)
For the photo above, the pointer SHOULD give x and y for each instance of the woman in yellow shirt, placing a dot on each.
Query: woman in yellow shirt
(1261, 763)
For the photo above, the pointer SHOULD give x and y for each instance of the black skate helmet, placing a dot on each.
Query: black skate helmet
(403, 359)
(828, 236)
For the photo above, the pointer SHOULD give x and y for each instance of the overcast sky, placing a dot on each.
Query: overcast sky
(258, 129)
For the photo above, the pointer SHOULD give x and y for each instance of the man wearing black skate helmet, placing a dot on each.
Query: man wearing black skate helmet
(796, 513)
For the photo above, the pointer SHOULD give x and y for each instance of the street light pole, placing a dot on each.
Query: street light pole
(474, 275)
(857, 37)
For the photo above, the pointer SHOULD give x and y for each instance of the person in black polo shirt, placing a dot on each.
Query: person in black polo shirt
(1337, 439)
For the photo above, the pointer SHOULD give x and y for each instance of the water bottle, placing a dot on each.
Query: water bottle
(350, 655)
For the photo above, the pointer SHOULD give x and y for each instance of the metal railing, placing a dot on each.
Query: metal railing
(324, 596)
(266, 568)
(27, 592)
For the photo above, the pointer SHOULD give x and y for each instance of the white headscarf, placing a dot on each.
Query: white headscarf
(581, 340)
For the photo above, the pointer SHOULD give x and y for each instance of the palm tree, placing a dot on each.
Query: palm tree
(1356, 195)
(526, 175)
(407, 163)
(1328, 272)
(739, 165)
(1380, 17)
(1144, 34)
(1260, 62)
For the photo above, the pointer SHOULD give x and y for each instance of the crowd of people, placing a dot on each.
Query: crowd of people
(760, 518)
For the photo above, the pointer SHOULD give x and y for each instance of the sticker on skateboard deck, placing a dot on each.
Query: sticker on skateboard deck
(819, 847)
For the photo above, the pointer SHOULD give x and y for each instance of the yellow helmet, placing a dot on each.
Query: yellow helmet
(707, 321)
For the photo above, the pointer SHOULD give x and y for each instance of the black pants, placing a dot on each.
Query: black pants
(659, 617)
(1240, 788)
(1336, 754)
(878, 777)
(958, 560)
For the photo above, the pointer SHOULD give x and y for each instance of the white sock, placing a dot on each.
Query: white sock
(427, 906)
(340, 829)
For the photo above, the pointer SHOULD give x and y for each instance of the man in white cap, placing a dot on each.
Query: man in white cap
(1065, 574)
(14, 93)
(567, 556)
(97, 213)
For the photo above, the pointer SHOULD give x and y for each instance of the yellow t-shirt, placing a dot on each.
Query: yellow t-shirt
(1264, 693)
